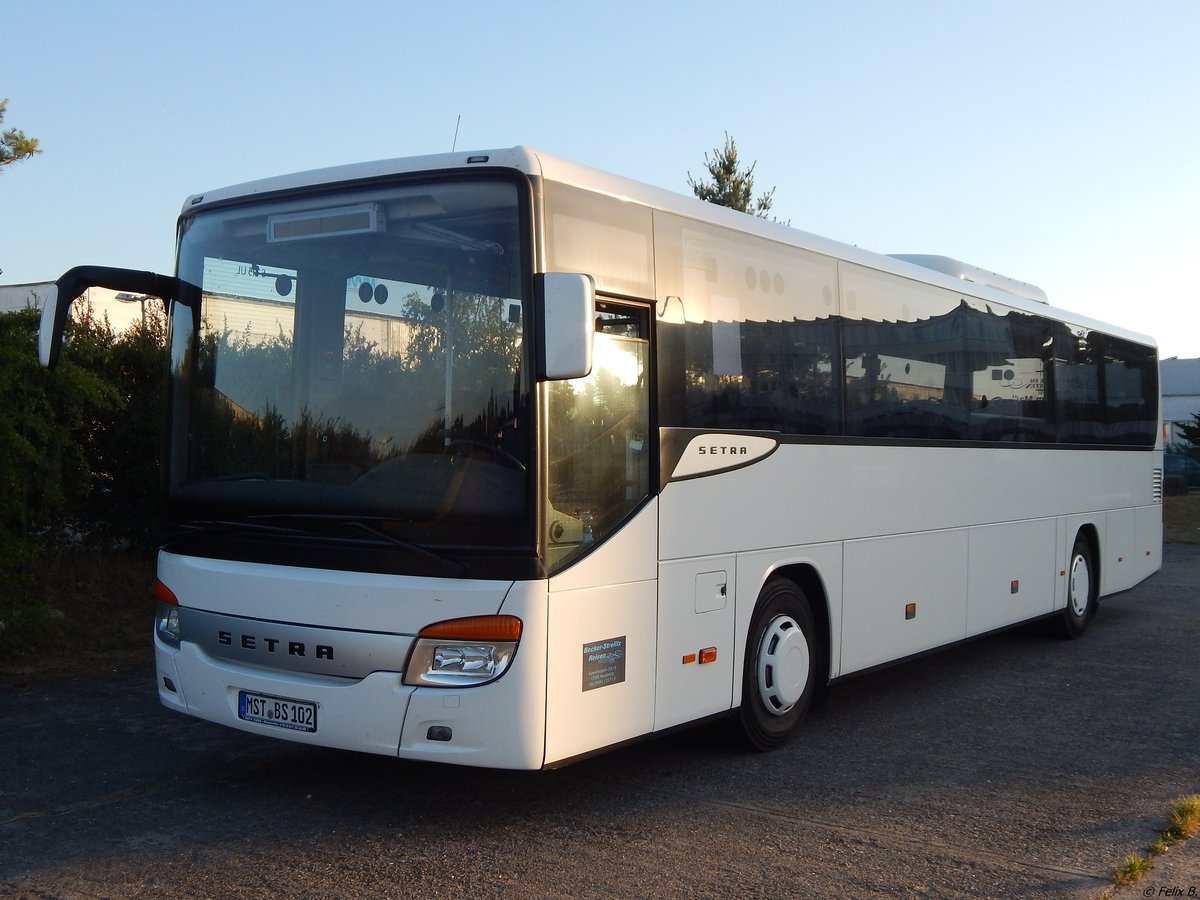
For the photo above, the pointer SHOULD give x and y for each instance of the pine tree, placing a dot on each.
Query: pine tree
(14, 145)
(1191, 432)
(731, 185)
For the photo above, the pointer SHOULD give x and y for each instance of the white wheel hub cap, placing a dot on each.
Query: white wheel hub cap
(1081, 586)
(783, 661)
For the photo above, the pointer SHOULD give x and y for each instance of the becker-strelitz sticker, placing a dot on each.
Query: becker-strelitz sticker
(603, 663)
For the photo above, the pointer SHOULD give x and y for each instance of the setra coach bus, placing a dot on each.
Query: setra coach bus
(495, 459)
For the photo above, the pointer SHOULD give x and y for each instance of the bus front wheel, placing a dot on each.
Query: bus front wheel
(780, 672)
(1082, 590)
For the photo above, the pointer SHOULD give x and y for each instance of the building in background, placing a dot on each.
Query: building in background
(121, 310)
(22, 296)
(1180, 381)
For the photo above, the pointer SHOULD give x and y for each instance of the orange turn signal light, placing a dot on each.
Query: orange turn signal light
(475, 628)
(164, 594)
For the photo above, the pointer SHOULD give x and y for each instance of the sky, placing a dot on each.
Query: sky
(1053, 141)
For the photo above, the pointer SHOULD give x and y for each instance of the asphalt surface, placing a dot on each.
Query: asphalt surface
(1018, 765)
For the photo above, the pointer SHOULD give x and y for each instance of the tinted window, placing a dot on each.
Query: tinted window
(905, 358)
(748, 336)
(1079, 403)
(1130, 390)
(1008, 353)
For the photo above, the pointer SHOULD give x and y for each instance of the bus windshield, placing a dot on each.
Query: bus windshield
(357, 359)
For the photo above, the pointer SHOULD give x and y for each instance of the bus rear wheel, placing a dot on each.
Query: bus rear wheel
(1082, 590)
(779, 676)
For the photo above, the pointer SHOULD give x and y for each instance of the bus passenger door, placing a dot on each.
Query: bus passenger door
(601, 540)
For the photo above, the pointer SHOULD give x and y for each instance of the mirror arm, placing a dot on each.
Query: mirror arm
(75, 281)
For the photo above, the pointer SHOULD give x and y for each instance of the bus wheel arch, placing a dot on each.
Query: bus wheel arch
(1089, 533)
(810, 583)
(1083, 584)
(784, 666)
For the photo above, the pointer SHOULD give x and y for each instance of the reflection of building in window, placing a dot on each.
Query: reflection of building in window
(1016, 379)
(383, 335)
(870, 377)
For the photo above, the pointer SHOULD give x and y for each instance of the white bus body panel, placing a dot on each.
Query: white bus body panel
(696, 606)
(883, 576)
(1116, 569)
(1148, 540)
(609, 597)
(1017, 584)
(969, 567)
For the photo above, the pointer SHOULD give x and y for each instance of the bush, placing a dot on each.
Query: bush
(79, 452)
(125, 449)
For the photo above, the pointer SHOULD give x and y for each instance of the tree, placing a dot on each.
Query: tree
(14, 145)
(79, 451)
(45, 478)
(1191, 432)
(731, 185)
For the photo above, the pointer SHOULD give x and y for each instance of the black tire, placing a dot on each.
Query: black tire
(1083, 588)
(782, 666)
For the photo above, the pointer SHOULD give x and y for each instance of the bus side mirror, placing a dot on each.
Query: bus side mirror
(77, 280)
(567, 304)
(50, 330)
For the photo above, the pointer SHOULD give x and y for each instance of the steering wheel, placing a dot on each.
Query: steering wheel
(469, 445)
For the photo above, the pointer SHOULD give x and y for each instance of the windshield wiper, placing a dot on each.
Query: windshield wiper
(358, 524)
(240, 525)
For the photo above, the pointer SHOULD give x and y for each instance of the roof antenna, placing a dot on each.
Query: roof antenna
(454, 145)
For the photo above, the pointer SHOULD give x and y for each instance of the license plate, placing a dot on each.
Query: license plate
(298, 715)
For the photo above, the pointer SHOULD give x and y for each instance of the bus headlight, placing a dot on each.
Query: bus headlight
(463, 652)
(166, 624)
(166, 614)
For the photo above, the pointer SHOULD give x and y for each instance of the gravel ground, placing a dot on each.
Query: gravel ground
(1017, 765)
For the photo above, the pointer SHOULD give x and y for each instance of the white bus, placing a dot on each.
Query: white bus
(498, 460)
